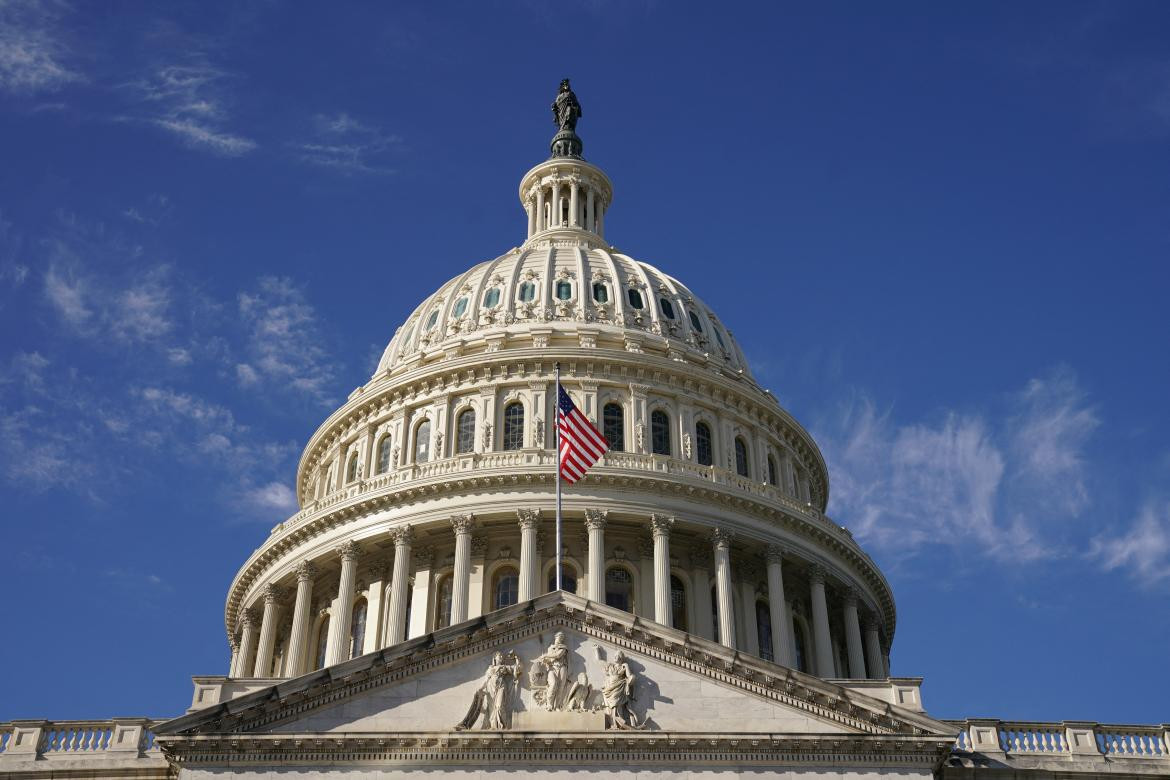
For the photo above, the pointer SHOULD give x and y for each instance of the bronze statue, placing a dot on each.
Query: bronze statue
(566, 110)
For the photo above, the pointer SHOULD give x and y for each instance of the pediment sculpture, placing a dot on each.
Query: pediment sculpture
(494, 700)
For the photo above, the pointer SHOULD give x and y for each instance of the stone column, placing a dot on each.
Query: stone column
(873, 650)
(531, 209)
(529, 520)
(461, 580)
(234, 643)
(644, 597)
(749, 641)
(660, 528)
(853, 637)
(420, 597)
(820, 613)
(248, 635)
(338, 639)
(573, 201)
(555, 214)
(272, 596)
(721, 541)
(700, 560)
(476, 583)
(589, 219)
(399, 582)
(298, 642)
(540, 208)
(777, 609)
(595, 524)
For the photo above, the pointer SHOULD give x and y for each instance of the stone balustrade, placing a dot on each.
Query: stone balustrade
(68, 745)
(1007, 739)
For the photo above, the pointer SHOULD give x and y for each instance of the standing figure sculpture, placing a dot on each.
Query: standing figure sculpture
(618, 694)
(553, 669)
(566, 110)
(495, 696)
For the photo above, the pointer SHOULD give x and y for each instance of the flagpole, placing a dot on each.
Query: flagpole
(557, 444)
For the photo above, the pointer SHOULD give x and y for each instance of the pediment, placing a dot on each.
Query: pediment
(682, 685)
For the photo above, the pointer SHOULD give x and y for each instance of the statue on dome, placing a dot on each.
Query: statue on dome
(566, 110)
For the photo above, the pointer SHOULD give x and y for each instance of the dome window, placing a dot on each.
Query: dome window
(695, 323)
(460, 307)
(527, 291)
(703, 444)
(719, 337)
(506, 589)
(564, 290)
(600, 292)
(659, 432)
(667, 308)
(741, 457)
(491, 297)
(568, 579)
(514, 426)
(635, 298)
(431, 320)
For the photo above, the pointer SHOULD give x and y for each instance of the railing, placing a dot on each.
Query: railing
(27, 740)
(1018, 738)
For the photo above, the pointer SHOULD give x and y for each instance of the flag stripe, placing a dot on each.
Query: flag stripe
(581, 444)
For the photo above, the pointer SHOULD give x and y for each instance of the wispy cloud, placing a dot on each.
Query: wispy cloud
(1143, 550)
(190, 101)
(347, 145)
(33, 55)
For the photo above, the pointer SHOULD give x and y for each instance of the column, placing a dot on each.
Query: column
(272, 596)
(234, 642)
(476, 584)
(595, 525)
(461, 580)
(700, 560)
(853, 637)
(749, 641)
(248, 636)
(601, 221)
(377, 594)
(555, 211)
(529, 520)
(573, 201)
(873, 650)
(721, 541)
(820, 610)
(420, 596)
(399, 582)
(660, 528)
(299, 636)
(540, 208)
(777, 608)
(531, 209)
(339, 624)
(644, 598)
(589, 209)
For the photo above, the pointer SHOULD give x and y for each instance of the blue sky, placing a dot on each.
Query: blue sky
(941, 232)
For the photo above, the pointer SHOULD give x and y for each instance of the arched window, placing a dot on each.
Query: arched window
(773, 475)
(801, 647)
(568, 579)
(491, 297)
(600, 292)
(357, 629)
(465, 431)
(613, 426)
(703, 444)
(695, 323)
(322, 643)
(505, 587)
(659, 432)
(384, 455)
(514, 426)
(741, 457)
(719, 337)
(619, 588)
(764, 630)
(564, 290)
(635, 298)
(443, 603)
(460, 307)
(351, 469)
(667, 308)
(422, 442)
(678, 604)
(431, 320)
(527, 291)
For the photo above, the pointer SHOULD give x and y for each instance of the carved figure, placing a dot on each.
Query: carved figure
(487, 437)
(538, 433)
(577, 700)
(618, 693)
(566, 110)
(553, 667)
(494, 700)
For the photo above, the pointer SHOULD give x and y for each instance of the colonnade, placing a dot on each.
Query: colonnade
(584, 202)
(864, 653)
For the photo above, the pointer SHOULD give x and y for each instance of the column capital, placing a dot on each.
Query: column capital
(595, 519)
(249, 617)
(402, 536)
(463, 524)
(528, 518)
(233, 642)
(660, 525)
(775, 553)
(852, 597)
(721, 538)
(273, 593)
(306, 571)
(817, 575)
(349, 551)
(871, 623)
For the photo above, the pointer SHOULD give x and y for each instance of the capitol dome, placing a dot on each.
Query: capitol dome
(428, 499)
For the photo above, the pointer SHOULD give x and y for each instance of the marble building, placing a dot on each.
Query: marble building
(712, 619)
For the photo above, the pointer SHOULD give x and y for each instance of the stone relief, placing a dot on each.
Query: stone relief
(618, 694)
(495, 699)
(552, 669)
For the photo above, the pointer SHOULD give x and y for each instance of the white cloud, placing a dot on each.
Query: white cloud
(140, 312)
(190, 101)
(199, 135)
(184, 406)
(1143, 550)
(33, 56)
(347, 145)
(272, 498)
(67, 293)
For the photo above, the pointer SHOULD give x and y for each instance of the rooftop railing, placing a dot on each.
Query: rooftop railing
(69, 740)
(1080, 738)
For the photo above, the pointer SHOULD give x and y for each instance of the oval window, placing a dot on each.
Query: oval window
(431, 320)
(564, 290)
(491, 297)
(667, 308)
(635, 298)
(527, 291)
(600, 292)
(698, 326)
(460, 306)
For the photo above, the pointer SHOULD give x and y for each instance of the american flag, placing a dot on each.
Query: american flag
(580, 443)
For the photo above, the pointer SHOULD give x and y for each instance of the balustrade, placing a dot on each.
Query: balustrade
(129, 738)
(1065, 738)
